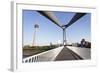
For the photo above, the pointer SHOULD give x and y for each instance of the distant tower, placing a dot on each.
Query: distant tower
(36, 26)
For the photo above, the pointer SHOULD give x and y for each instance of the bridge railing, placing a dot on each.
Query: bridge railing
(49, 55)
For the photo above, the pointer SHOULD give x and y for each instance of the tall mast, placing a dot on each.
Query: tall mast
(36, 26)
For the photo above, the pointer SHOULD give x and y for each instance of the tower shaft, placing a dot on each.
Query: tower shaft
(36, 26)
(34, 38)
(64, 37)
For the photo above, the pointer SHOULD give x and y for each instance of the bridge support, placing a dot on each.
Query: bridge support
(64, 37)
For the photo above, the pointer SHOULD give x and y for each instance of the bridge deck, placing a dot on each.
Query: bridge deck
(85, 53)
(61, 54)
(67, 54)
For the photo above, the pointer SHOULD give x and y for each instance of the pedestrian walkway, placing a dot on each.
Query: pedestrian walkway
(67, 54)
(85, 53)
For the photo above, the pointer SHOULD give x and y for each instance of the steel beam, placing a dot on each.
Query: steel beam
(49, 15)
(75, 18)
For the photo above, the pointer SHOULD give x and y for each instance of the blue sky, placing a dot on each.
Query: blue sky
(49, 32)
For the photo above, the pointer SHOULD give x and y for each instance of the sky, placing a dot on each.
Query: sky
(48, 32)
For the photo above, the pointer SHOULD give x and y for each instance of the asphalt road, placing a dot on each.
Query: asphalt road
(67, 54)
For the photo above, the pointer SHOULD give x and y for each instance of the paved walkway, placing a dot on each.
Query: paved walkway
(85, 53)
(67, 54)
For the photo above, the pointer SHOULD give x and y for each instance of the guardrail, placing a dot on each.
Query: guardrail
(49, 55)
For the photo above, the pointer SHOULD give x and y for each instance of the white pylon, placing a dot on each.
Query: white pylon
(35, 35)
(64, 37)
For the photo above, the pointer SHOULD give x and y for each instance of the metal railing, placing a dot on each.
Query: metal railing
(44, 56)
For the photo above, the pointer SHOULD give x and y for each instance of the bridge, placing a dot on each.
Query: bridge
(64, 52)
(60, 54)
